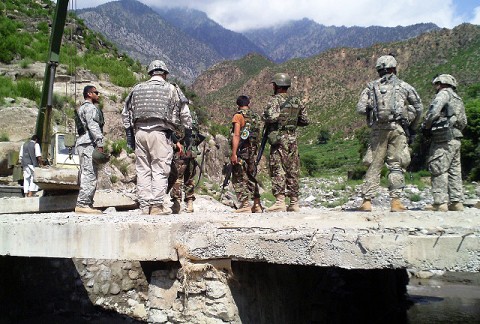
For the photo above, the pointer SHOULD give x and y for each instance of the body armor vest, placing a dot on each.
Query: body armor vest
(28, 154)
(289, 112)
(444, 128)
(151, 100)
(250, 133)
(81, 126)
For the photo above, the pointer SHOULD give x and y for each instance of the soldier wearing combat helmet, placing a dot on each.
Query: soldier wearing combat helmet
(444, 122)
(282, 116)
(153, 110)
(393, 109)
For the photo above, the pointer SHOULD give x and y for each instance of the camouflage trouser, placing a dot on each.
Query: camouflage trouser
(387, 146)
(186, 172)
(154, 154)
(444, 165)
(88, 175)
(284, 166)
(244, 183)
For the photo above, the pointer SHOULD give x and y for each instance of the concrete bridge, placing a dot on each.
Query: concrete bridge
(350, 240)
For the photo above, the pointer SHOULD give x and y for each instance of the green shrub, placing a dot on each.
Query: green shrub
(310, 163)
(220, 129)
(4, 137)
(28, 89)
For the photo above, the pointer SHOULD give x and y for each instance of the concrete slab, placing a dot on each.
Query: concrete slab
(352, 240)
(58, 203)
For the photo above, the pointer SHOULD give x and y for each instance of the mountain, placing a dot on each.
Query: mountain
(228, 44)
(304, 38)
(139, 31)
(331, 81)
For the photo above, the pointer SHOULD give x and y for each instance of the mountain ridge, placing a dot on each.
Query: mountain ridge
(190, 42)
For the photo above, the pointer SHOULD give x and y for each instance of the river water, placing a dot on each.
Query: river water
(452, 298)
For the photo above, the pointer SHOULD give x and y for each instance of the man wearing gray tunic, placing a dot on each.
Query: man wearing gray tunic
(444, 123)
(393, 108)
(153, 110)
(90, 130)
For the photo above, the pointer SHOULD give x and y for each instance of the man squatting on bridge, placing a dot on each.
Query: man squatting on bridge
(89, 121)
(393, 109)
(153, 110)
(444, 122)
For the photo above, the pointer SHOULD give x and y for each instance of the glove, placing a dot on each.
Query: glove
(130, 138)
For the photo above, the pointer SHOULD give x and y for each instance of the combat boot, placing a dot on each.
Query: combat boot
(257, 206)
(366, 206)
(160, 210)
(244, 207)
(87, 210)
(456, 206)
(189, 206)
(279, 205)
(397, 206)
(437, 207)
(176, 206)
(293, 206)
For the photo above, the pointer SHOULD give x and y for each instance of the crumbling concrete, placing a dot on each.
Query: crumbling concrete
(350, 240)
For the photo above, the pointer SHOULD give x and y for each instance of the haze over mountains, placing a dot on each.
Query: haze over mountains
(189, 42)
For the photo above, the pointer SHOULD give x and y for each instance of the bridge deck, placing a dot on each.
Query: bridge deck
(351, 240)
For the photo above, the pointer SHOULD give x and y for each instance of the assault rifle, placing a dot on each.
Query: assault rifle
(228, 168)
(265, 132)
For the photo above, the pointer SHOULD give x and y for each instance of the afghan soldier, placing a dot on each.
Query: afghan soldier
(282, 116)
(90, 123)
(245, 136)
(185, 165)
(444, 123)
(153, 110)
(393, 109)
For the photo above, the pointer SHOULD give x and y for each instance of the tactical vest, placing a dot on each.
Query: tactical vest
(151, 100)
(250, 133)
(443, 129)
(289, 111)
(28, 154)
(389, 104)
(82, 127)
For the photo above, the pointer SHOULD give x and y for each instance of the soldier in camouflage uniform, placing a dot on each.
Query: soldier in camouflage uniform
(282, 116)
(393, 109)
(245, 136)
(90, 130)
(444, 123)
(153, 110)
(184, 160)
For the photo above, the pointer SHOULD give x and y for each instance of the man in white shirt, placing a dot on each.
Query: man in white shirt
(30, 157)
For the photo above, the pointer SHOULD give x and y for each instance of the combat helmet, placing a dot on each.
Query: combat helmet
(282, 80)
(386, 62)
(157, 65)
(445, 79)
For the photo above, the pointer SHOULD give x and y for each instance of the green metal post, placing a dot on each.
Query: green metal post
(45, 110)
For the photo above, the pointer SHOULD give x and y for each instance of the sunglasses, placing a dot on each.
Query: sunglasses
(95, 92)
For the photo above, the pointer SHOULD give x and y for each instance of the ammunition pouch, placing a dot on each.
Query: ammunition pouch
(441, 131)
(273, 137)
(441, 135)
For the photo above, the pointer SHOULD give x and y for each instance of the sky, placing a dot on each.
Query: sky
(240, 15)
